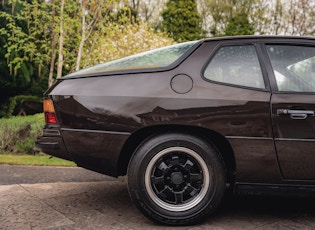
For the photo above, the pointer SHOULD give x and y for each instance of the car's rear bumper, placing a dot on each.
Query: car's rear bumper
(97, 150)
(47, 144)
(54, 146)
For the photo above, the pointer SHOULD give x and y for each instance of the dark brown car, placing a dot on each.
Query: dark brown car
(187, 121)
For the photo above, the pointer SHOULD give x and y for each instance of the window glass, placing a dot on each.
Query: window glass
(237, 65)
(294, 67)
(161, 57)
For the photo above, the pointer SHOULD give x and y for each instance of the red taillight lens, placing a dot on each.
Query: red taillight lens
(50, 118)
(49, 110)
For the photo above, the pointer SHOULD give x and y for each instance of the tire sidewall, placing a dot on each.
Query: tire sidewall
(136, 178)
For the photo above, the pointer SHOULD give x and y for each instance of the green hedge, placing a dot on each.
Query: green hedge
(18, 134)
(17, 104)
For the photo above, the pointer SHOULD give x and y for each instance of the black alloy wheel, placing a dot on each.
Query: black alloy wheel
(176, 178)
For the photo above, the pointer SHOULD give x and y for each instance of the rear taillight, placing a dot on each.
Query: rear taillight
(49, 111)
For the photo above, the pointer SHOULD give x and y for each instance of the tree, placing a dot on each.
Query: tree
(124, 40)
(217, 14)
(239, 25)
(181, 20)
(93, 14)
(293, 17)
(148, 10)
(276, 17)
(28, 50)
(53, 46)
(23, 49)
(61, 40)
(24, 32)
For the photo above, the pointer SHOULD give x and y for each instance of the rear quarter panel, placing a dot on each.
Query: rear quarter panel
(98, 114)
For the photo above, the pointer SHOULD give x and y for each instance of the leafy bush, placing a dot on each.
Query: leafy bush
(20, 104)
(18, 134)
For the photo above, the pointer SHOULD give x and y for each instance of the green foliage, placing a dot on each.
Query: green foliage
(24, 53)
(72, 37)
(239, 25)
(19, 104)
(123, 15)
(16, 105)
(224, 13)
(124, 40)
(18, 134)
(25, 33)
(181, 20)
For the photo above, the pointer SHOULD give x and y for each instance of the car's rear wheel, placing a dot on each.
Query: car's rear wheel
(176, 178)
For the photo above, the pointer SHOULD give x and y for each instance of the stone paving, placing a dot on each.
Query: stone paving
(106, 205)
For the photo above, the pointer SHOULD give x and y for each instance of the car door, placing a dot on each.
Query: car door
(293, 107)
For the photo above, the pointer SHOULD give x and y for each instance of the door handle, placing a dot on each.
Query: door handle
(295, 114)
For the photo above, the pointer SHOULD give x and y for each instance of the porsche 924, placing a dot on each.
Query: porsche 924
(188, 121)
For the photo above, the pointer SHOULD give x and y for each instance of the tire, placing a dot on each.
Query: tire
(176, 178)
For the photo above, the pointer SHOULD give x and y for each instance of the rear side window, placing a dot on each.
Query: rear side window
(294, 67)
(236, 65)
(156, 58)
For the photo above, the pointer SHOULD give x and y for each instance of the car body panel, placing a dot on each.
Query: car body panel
(232, 118)
(295, 136)
(96, 158)
(98, 115)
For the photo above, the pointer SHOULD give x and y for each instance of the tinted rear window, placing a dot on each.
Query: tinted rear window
(156, 58)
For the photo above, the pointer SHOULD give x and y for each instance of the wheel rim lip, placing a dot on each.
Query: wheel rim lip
(197, 199)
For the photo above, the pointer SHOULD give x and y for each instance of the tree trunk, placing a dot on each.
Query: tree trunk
(53, 47)
(60, 55)
(80, 51)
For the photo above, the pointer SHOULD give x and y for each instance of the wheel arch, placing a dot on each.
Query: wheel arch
(219, 141)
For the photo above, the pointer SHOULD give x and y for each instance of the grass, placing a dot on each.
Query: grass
(42, 160)
(18, 134)
(17, 142)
